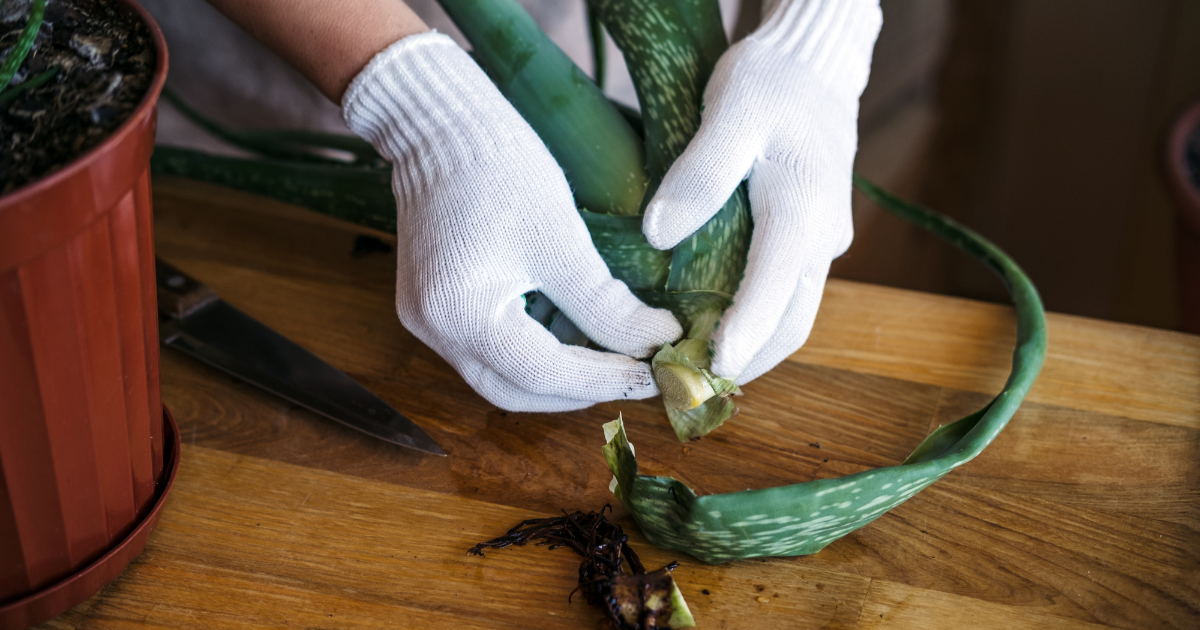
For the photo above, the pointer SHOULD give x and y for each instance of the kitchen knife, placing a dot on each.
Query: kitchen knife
(196, 321)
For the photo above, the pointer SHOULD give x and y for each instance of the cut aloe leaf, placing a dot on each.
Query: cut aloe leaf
(803, 518)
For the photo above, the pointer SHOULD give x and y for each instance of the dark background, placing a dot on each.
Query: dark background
(1041, 125)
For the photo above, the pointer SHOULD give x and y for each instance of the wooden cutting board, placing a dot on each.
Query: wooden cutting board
(1084, 512)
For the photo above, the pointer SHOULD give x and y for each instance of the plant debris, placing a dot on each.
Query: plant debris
(90, 66)
(636, 600)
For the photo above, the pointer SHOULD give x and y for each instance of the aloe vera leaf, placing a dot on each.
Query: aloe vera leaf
(670, 47)
(539, 308)
(286, 144)
(357, 194)
(687, 305)
(598, 151)
(31, 83)
(702, 19)
(631, 116)
(714, 257)
(513, 48)
(666, 66)
(314, 146)
(670, 54)
(803, 518)
(596, 35)
(20, 50)
(624, 248)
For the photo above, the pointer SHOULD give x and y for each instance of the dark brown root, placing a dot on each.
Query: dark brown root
(633, 600)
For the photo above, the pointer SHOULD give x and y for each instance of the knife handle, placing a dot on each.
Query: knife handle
(179, 295)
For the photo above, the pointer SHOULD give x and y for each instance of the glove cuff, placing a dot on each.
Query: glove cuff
(834, 38)
(423, 102)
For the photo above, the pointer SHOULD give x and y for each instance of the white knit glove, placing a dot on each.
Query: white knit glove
(484, 216)
(781, 108)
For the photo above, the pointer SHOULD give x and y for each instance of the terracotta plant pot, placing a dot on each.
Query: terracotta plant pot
(1186, 192)
(85, 452)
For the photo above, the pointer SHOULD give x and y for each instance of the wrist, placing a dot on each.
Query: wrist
(423, 96)
(327, 42)
(833, 39)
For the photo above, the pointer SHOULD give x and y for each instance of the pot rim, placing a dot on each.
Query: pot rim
(82, 161)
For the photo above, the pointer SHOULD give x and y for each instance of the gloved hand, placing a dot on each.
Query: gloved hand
(781, 108)
(484, 216)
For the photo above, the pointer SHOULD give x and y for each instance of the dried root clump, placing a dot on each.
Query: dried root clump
(631, 600)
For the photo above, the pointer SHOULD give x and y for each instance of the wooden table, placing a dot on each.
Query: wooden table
(1083, 513)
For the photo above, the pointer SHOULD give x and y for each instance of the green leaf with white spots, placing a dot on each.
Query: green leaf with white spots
(785, 521)
(625, 250)
(714, 257)
(803, 518)
(702, 19)
(670, 47)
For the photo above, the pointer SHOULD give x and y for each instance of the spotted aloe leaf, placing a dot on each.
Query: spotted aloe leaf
(803, 518)
(784, 521)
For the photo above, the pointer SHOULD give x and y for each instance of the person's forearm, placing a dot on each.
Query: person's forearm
(328, 41)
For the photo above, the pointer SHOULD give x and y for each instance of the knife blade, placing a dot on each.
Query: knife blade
(197, 322)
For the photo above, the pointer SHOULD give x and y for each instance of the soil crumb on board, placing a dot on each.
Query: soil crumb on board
(104, 58)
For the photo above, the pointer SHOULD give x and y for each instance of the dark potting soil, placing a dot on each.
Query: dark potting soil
(105, 59)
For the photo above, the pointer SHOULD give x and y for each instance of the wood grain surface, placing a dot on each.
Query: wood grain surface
(1085, 512)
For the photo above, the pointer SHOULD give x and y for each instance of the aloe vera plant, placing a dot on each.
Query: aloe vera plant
(16, 55)
(670, 48)
(614, 162)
